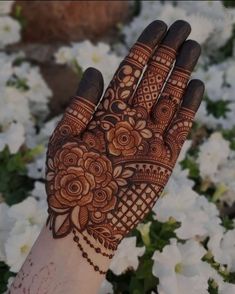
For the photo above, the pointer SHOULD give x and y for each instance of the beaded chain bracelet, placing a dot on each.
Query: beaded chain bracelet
(85, 255)
(97, 250)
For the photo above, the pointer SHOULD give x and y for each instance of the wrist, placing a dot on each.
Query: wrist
(93, 251)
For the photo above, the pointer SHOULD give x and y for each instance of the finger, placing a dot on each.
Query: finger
(160, 65)
(127, 76)
(182, 123)
(165, 108)
(82, 106)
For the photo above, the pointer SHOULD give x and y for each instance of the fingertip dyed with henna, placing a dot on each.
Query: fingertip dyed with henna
(91, 85)
(193, 95)
(153, 33)
(177, 34)
(188, 55)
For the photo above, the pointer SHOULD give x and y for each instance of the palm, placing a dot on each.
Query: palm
(104, 180)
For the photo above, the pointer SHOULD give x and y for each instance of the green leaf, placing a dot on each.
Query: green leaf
(229, 3)
(5, 274)
(228, 223)
(14, 182)
(212, 287)
(190, 164)
(217, 108)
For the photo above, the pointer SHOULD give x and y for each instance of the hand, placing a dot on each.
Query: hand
(107, 167)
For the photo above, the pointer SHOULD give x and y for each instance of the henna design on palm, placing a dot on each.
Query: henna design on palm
(104, 173)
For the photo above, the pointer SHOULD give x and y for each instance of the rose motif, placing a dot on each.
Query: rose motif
(97, 165)
(81, 183)
(69, 155)
(123, 139)
(73, 187)
(103, 201)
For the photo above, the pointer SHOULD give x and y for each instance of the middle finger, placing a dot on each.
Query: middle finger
(160, 65)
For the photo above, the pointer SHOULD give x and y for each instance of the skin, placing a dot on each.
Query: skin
(57, 265)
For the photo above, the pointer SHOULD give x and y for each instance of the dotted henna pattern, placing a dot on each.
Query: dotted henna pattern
(103, 181)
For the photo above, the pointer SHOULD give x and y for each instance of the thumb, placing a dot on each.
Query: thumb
(82, 106)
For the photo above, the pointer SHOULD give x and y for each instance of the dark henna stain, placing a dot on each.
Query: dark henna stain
(188, 55)
(153, 34)
(104, 174)
(91, 85)
(193, 95)
(177, 34)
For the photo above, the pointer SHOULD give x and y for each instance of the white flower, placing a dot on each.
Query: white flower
(13, 107)
(106, 287)
(36, 169)
(179, 178)
(13, 137)
(172, 13)
(18, 246)
(9, 31)
(34, 139)
(208, 19)
(230, 73)
(6, 224)
(222, 245)
(5, 7)
(175, 205)
(126, 256)
(215, 12)
(197, 216)
(29, 210)
(64, 55)
(37, 92)
(212, 153)
(178, 268)
(184, 150)
(9, 282)
(88, 55)
(144, 230)
(201, 26)
(214, 79)
(226, 288)
(201, 220)
(39, 191)
(91, 55)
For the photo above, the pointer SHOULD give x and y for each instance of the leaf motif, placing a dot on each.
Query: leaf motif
(146, 133)
(50, 176)
(99, 113)
(131, 120)
(50, 163)
(117, 171)
(121, 105)
(125, 94)
(121, 182)
(61, 225)
(79, 217)
(106, 104)
(127, 173)
(92, 125)
(140, 125)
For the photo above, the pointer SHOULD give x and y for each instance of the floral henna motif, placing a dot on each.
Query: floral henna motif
(103, 181)
(126, 137)
(82, 184)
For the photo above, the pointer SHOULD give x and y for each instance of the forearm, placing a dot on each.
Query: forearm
(57, 266)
